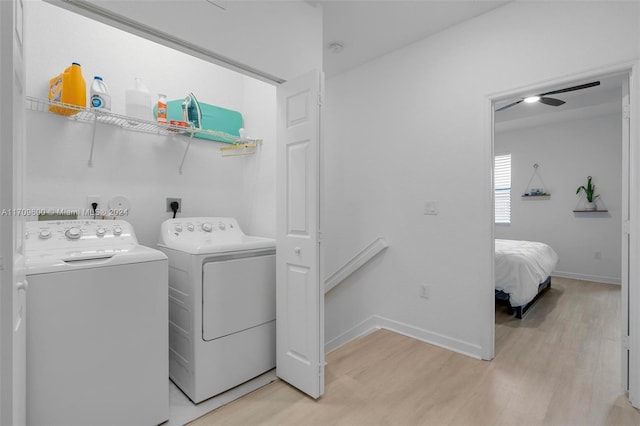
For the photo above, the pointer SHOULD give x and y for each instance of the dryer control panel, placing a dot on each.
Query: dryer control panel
(199, 229)
(198, 235)
(194, 226)
(54, 234)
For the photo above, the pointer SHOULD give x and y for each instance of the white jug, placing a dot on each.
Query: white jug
(138, 101)
(100, 98)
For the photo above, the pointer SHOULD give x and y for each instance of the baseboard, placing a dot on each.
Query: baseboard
(584, 277)
(365, 327)
(376, 322)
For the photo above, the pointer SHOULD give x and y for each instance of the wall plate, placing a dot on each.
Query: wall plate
(119, 206)
(171, 200)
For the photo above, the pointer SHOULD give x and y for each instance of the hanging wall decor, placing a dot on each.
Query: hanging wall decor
(535, 189)
(588, 198)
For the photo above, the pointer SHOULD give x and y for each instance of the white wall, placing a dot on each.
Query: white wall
(279, 38)
(142, 167)
(567, 153)
(411, 126)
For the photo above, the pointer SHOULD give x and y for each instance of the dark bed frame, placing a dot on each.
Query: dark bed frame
(503, 299)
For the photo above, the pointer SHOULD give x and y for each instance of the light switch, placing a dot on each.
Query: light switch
(431, 207)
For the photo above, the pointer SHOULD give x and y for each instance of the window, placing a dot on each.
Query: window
(502, 184)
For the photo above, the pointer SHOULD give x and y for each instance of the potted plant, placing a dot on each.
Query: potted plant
(589, 192)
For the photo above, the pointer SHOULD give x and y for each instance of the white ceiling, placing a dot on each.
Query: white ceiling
(372, 28)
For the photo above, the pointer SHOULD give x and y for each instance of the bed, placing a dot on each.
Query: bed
(523, 272)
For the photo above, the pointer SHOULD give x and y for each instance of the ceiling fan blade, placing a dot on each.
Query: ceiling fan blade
(509, 105)
(551, 101)
(571, 89)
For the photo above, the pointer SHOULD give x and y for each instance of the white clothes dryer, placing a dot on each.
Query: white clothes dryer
(97, 315)
(222, 304)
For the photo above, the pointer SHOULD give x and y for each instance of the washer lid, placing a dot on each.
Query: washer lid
(209, 235)
(61, 260)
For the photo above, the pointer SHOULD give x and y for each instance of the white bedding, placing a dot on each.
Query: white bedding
(521, 266)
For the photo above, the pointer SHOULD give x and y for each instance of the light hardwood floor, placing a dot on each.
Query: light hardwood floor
(560, 365)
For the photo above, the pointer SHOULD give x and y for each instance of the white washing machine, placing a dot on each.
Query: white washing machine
(222, 304)
(96, 326)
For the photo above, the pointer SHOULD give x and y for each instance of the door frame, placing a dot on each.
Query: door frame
(12, 281)
(632, 68)
(626, 232)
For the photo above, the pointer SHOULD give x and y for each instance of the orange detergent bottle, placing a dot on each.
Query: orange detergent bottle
(161, 115)
(68, 88)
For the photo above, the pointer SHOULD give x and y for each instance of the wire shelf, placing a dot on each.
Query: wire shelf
(240, 146)
(91, 115)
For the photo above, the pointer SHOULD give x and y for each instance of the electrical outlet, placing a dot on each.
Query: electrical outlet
(93, 199)
(171, 200)
(424, 291)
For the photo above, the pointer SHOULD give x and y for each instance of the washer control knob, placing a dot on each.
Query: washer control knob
(222, 226)
(178, 228)
(117, 230)
(206, 227)
(190, 227)
(73, 233)
(44, 234)
(100, 232)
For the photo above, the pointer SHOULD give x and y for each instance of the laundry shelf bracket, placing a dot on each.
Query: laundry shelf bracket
(184, 156)
(93, 140)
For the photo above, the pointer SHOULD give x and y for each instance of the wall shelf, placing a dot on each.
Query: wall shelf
(530, 193)
(536, 197)
(244, 146)
(591, 211)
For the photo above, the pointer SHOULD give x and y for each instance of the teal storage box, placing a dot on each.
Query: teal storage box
(214, 118)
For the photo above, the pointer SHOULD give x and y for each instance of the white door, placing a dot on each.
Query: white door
(12, 282)
(626, 240)
(299, 289)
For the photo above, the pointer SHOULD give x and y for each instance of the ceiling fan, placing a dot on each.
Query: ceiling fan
(543, 99)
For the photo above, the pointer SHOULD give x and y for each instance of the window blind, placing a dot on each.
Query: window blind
(502, 185)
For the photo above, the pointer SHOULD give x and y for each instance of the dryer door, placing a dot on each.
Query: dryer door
(237, 294)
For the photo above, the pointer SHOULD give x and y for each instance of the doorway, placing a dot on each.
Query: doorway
(162, 153)
(611, 80)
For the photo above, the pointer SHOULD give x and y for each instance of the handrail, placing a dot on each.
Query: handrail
(365, 255)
